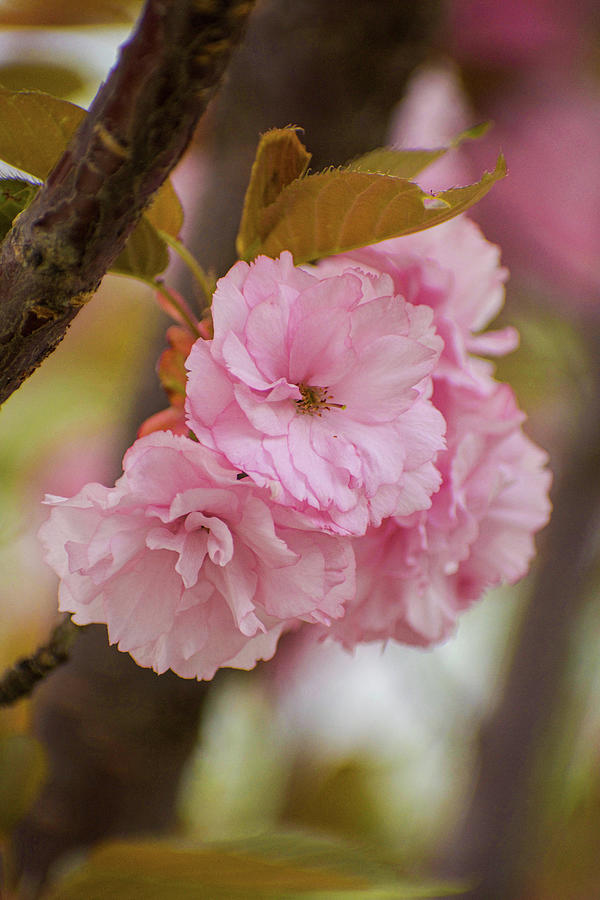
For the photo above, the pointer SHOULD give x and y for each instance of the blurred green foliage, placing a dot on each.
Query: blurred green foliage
(61, 13)
(52, 77)
(22, 772)
(274, 867)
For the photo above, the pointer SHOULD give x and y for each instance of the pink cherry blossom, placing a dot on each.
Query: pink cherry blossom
(415, 574)
(454, 270)
(317, 387)
(190, 568)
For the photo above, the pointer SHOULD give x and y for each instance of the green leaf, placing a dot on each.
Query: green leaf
(281, 158)
(275, 867)
(15, 195)
(22, 771)
(44, 14)
(165, 211)
(340, 210)
(35, 128)
(145, 254)
(408, 163)
(52, 77)
(392, 161)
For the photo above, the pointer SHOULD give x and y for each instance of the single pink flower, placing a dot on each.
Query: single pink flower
(190, 568)
(317, 387)
(415, 574)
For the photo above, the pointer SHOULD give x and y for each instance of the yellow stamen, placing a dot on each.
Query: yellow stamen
(315, 399)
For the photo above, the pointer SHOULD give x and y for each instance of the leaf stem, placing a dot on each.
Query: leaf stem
(191, 262)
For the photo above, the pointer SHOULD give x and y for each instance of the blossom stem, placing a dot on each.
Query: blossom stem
(173, 300)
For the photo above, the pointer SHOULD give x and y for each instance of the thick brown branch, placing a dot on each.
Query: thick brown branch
(137, 129)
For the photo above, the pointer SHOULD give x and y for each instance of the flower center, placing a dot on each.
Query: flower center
(315, 399)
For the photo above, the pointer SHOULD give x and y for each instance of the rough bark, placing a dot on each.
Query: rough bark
(138, 126)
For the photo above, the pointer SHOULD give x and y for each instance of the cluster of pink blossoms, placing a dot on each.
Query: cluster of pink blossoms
(357, 471)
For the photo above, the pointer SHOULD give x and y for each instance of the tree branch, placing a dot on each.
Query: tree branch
(20, 680)
(138, 127)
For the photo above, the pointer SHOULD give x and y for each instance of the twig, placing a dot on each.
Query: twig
(19, 681)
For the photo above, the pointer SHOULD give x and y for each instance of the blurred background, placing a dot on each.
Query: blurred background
(480, 756)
